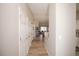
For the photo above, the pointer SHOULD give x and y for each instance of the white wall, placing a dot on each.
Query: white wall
(77, 27)
(62, 27)
(65, 29)
(16, 29)
(9, 27)
(77, 24)
(77, 21)
(52, 25)
(46, 40)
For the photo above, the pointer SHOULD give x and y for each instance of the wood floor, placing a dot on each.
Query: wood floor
(37, 48)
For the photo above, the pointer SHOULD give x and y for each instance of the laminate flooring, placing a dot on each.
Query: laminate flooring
(37, 48)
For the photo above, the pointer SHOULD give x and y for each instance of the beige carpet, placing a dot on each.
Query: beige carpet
(37, 48)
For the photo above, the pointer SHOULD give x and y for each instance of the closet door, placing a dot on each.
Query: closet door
(26, 35)
(23, 32)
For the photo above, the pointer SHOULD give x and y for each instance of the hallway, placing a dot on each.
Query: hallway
(21, 23)
(37, 48)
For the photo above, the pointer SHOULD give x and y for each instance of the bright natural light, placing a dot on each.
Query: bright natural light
(43, 29)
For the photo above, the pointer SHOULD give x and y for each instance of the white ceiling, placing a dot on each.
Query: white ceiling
(39, 11)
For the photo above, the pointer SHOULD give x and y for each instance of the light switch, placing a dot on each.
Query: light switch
(60, 37)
